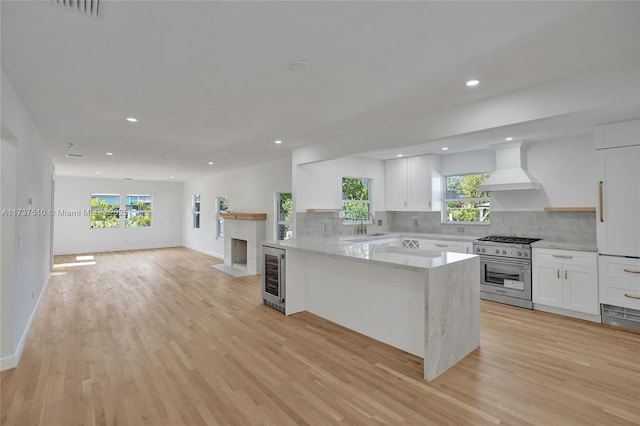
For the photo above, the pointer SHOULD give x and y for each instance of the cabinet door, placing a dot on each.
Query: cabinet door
(581, 289)
(395, 184)
(547, 284)
(419, 188)
(618, 227)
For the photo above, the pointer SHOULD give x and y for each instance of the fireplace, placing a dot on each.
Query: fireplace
(238, 253)
(243, 237)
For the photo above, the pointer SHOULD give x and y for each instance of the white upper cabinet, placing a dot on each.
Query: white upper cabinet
(614, 135)
(413, 184)
(618, 208)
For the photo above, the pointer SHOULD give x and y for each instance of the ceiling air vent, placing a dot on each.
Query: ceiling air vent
(87, 7)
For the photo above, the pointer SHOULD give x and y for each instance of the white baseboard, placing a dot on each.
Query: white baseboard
(127, 248)
(12, 361)
(207, 252)
(567, 313)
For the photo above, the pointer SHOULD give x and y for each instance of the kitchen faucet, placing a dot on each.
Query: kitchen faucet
(361, 228)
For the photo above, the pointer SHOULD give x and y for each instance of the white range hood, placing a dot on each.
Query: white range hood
(509, 174)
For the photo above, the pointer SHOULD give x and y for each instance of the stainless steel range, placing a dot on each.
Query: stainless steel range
(505, 269)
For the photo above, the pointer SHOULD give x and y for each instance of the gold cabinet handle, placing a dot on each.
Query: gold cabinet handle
(630, 296)
(600, 193)
(558, 273)
(565, 275)
(562, 257)
(631, 271)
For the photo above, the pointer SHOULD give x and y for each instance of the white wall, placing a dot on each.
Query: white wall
(73, 234)
(468, 162)
(29, 242)
(319, 185)
(250, 189)
(567, 170)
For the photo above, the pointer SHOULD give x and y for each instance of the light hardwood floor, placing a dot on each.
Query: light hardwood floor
(157, 337)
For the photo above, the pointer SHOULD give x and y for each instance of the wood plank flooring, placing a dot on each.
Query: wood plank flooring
(157, 337)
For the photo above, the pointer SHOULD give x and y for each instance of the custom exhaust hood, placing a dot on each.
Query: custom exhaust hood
(509, 174)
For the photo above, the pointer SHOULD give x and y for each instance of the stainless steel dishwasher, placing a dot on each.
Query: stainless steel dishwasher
(273, 277)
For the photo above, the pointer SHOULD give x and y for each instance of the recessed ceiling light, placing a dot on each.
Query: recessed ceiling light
(508, 139)
(210, 163)
(170, 177)
(109, 153)
(97, 173)
(299, 66)
(132, 119)
(164, 158)
(399, 155)
(278, 142)
(472, 83)
(444, 148)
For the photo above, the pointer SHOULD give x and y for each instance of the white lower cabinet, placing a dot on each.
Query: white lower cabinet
(620, 281)
(567, 280)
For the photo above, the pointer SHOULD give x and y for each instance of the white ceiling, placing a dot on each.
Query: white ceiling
(209, 81)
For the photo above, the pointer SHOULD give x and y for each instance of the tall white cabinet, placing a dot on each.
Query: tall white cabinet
(413, 184)
(618, 222)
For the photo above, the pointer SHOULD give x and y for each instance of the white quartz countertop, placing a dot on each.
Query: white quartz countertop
(369, 252)
(564, 246)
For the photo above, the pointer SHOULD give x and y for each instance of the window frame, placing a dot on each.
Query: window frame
(277, 214)
(91, 210)
(127, 211)
(220, 219)
(369, 219)
(444, 217)
(196, 208)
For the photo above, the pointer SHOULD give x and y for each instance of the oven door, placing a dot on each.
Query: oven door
(507, 277)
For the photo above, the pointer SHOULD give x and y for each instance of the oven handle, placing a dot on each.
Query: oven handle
(489, 259)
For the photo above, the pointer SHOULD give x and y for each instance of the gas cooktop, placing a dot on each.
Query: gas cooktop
(508, 240)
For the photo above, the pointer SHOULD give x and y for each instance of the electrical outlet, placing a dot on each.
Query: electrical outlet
(379, 222)
(460, 228)
(325, 227)
(415, 222)
(33, 294)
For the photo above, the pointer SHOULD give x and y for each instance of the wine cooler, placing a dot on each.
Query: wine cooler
(273, 277)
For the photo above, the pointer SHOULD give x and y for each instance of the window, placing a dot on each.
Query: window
(196, 211)
(356, 204)
(105, 210)
(464, 202)
(138, 211)
(222, 204)
(284, 213)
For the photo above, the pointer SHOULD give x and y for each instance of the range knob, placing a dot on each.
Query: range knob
(497, 251)
(483, 250)
(478, 249)
(504, 252)
(526, 254)
(519, 254)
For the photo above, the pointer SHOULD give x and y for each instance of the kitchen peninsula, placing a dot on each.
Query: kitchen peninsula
(424, 302)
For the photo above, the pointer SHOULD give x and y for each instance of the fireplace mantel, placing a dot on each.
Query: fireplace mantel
(243, 216)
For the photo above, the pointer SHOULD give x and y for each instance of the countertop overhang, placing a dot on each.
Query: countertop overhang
(373, 252)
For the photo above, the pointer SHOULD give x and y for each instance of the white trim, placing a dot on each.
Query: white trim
(207, 252)
(567, 313)
(124, 248)
(12, 361)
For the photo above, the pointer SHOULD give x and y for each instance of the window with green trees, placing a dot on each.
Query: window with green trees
(356, 202)
(284, 214)
(464, 202)
(105, 210)
(138, 210)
